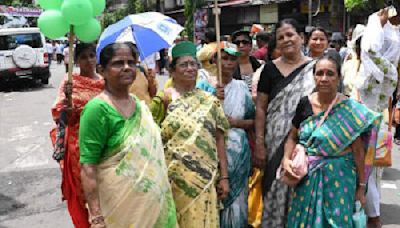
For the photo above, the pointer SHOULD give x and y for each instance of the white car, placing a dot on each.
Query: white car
(23, 55)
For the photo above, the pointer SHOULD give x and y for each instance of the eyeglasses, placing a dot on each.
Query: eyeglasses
(192, 64)
(244, 42)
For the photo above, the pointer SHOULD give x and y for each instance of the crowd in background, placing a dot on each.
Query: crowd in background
(213, 152)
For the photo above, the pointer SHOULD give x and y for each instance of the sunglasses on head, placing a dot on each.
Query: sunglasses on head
(238, 42)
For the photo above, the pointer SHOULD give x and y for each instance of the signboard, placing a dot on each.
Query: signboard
(269, 13)
(200, 24)
(19, 11)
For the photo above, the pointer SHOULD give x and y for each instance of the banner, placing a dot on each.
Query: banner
(200, 24)
(19, 11)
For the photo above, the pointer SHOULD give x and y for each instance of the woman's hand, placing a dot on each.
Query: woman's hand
(360, 195)
(152, 83)
(383, 15)
(232, 122)
(220, 91)
(223, 188)
(167, 97)
(287, 167)
(68, 88)
(260, 155)
(151, 75)
(68, 97)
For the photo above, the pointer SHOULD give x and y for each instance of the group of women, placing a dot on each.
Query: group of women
(184, 159)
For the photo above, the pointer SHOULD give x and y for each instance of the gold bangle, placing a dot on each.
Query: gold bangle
(223, 178)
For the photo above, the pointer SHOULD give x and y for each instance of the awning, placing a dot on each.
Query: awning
(20, 11)
(230, 3)
(223, 4)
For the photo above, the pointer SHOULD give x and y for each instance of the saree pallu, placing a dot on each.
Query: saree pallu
(281, 109)
(83, 89)
(238, 104)
(133, 185)
(325, 197)
(189, 135)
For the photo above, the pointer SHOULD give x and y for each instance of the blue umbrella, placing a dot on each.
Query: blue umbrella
(150, 31)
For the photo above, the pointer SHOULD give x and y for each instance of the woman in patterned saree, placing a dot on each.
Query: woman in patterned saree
(193, 134)
(283, 82)
(336, 178)
(124, 175)
(240, 110)
(85, 85)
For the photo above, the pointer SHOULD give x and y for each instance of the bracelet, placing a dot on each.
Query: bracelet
(223, 178)
(362, 185)
(98, 219)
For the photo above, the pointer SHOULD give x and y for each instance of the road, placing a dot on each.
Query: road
(30, 179)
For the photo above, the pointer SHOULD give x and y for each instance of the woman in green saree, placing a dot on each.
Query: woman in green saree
(124, 175)
(336, 177)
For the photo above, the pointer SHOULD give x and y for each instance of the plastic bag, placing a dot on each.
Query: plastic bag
(359, 217)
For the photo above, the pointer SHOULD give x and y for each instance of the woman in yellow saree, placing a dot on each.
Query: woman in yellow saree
(193, 130)
(124, 175)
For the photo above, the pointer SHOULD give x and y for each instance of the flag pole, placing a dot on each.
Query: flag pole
(71, 38)
(217, 12)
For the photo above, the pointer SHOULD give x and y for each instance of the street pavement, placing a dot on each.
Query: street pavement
(30, 179)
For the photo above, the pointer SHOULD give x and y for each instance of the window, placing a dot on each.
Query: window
(9, 42)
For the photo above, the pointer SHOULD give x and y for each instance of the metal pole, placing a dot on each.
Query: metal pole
(309, 12)
(217, 12)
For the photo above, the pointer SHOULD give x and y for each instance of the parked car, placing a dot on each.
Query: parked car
(23, 55)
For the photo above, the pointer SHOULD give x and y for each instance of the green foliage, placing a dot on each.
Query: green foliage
(112, 17)
(363, 5)
(23, 3)
(354, 4)
(134, 6)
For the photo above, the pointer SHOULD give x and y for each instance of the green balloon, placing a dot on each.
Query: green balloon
(77, 12)
(52, 24)
(50, 4)
(98, 7)
(88, 32)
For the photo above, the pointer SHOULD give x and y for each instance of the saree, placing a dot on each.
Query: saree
(132, 180)
(326, 196)
(189, 136)
(281, 109)
(238, 104)
(83, 90)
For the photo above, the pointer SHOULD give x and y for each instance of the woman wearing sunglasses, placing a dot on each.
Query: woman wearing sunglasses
(247, 63)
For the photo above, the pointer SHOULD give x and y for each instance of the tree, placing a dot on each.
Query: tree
(25, 3)
(133, 6)
(363, 6)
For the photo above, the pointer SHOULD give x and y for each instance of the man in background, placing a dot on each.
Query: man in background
(205, 53)
(262, 39)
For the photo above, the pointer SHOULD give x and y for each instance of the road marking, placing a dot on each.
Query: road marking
(389, 186)
(20, 133)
